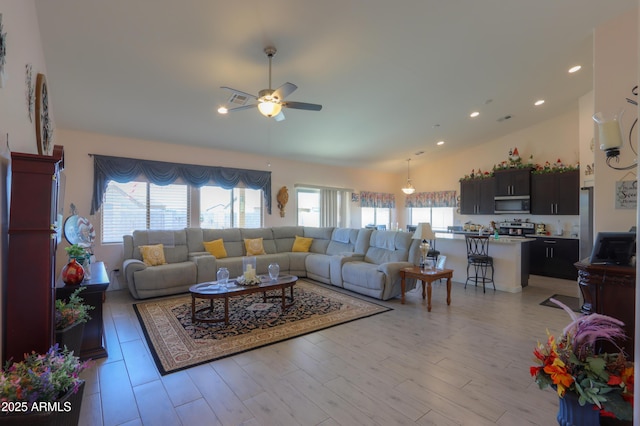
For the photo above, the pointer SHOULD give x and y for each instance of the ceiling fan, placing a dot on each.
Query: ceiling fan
(269, 102)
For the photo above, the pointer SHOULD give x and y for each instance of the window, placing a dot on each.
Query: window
(308, 207)
(322, 206)
(439, 217)
(141, 205)
(230, 208)
(376, 216)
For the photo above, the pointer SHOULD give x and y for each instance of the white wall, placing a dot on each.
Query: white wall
(615, 74)
(23, 46)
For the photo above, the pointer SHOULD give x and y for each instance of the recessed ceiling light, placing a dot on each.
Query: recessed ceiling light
(474, 114)
(575, 69)
(539, 102)
(222, 110)
(440, 143)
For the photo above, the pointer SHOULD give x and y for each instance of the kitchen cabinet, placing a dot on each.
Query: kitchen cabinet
(476, 196)
(554, 257)
(512, 182)
(556, 193)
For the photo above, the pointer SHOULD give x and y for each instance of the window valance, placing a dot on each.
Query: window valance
(122, 170)
(431, 199)
(377, 199)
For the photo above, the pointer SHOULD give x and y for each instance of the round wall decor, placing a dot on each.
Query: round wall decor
(44, 126)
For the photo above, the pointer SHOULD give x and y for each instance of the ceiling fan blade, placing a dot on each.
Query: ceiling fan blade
(242, 107)
(238, 97)
(284, 91)
(279, 116)
(302, 105)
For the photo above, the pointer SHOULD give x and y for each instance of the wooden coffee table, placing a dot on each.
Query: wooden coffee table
(426, 276)
(212, 291)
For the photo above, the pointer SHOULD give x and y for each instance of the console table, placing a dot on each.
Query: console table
(93, 344)
(610, 290)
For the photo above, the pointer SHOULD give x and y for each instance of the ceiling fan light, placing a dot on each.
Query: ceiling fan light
(222, 110)
(269, 108)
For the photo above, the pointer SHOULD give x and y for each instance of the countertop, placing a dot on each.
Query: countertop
(513, 237)
(502, 240)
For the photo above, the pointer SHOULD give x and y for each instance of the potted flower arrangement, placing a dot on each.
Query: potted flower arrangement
(597, 384)
(42, 389)
(70, 317)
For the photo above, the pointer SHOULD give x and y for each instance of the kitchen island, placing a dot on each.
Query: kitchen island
(510, 260)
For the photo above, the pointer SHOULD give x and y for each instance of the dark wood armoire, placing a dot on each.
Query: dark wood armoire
(610, 290)
(29, 291)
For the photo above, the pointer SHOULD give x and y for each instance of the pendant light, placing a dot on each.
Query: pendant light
(408, 188)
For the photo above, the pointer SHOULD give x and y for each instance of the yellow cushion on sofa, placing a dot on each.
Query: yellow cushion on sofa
(302, 244)
(216, 248)
(153, 255)
(254, 246)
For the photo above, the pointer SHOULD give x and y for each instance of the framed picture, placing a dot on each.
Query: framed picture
(44, 126)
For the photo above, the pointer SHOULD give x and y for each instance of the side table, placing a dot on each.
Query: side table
(426, 276)
(93, 344)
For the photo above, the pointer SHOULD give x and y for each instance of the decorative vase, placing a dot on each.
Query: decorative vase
(58, 417)
(222, 275)
(274, 271)
(71, 337)
(571, 413)
(72, 273)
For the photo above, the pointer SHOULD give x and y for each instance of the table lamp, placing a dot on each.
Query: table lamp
(424, 233)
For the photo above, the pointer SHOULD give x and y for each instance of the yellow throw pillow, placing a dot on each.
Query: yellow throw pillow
(216, 248)
(302, 244)
(254, 246)
(153, 255)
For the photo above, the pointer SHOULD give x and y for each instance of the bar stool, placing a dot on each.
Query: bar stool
(478, 258)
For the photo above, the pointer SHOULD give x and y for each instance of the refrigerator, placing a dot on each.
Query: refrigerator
(586, 222)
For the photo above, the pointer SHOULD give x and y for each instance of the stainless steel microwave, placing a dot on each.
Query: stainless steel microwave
(512, 204)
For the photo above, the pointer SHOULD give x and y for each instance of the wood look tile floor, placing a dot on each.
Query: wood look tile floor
(464, 364)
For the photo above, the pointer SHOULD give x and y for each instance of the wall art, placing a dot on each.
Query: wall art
(3, 52)
(29, 90)
(44, 125)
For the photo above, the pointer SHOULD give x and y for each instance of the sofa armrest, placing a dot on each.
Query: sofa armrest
(205, 265)
(392, 269)
(129, 267)
(337, 261)
(197, 254)
(351, 256)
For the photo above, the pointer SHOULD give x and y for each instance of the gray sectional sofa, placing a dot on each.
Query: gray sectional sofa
(361, 260)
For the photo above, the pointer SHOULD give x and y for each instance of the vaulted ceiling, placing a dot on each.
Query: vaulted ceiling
(394, 78)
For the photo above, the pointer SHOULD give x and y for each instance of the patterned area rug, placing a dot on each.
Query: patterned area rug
(176, 343)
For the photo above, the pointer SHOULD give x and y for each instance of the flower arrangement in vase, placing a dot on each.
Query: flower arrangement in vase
(51, 378)
(572, 366)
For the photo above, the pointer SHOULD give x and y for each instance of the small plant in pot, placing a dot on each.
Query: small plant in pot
(76, 252)
(70, 317)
